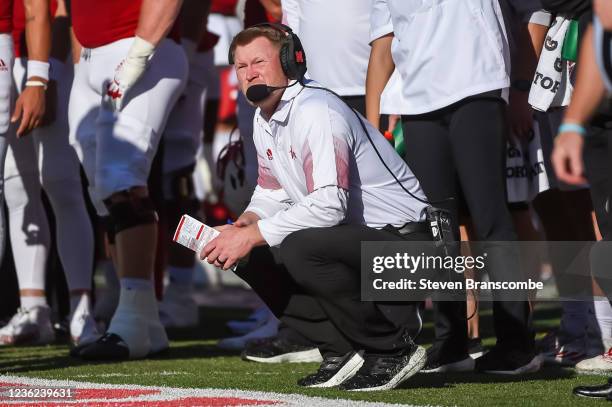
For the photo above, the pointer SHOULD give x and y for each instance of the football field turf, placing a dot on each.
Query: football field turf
(197, 363)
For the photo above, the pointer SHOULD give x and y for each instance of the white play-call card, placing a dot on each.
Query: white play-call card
(194, 235)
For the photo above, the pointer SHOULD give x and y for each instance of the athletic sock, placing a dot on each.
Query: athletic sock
(130, 321)
(30, 301)
(140, 284)
(603, 313)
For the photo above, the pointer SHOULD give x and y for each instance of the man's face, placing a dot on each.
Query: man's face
(258, 63)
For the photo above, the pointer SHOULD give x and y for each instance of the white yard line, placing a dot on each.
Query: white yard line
(161, 394)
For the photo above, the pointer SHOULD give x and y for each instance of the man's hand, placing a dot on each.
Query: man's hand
(232, 244)
(30, 107)
(129, 71)
(520, 114)
(603, 9)
(393, 119)
(567, 158)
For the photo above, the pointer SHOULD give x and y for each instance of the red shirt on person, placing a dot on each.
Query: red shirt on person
(98, 23)
(95, 26)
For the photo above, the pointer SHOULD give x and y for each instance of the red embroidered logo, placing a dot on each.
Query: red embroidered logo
(269, 153)
(292, 153)
(114, 94)
(3, 67)
(299, 57)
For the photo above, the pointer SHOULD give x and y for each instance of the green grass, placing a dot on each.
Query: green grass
(198, 363)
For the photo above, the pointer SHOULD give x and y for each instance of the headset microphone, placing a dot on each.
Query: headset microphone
(259, 92)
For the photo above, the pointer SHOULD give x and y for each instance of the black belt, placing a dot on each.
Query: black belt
(413, 227)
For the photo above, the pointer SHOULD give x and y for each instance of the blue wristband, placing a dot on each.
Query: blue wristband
(572, 128)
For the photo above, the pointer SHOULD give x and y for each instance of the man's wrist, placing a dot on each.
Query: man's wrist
(257, 238)
(248, 217)
(141, 49)
(36, 82)
(38, 69)
(572, 127)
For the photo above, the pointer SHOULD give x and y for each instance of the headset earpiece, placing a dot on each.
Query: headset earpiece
(293, 57)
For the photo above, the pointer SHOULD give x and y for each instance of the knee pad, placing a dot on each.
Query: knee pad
(130, 211)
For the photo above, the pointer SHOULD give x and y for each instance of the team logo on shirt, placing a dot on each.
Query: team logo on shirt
(269, 154)
(3, 67)
(292, 153)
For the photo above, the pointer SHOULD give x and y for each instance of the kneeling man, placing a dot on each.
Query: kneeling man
(322, 190)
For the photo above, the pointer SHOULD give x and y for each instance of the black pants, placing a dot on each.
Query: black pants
(598, 167)
(318, 294)
(356, 102)
(464, 144)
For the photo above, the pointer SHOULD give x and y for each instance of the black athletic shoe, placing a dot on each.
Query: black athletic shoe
(385, 372)
(108, 347)
(437, 362)
(277, 350)
(508, 361)
(334, 370)
(600, 391)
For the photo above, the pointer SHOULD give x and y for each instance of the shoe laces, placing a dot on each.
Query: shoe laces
(379, 364)
(331, 363)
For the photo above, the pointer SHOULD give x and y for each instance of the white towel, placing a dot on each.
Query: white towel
(525, 170)
(551, 85)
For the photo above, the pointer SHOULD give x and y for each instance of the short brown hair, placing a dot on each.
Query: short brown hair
(244, 37)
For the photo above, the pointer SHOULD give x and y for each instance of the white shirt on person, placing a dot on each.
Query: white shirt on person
(446, 50)
(334, 34)
(317, 168)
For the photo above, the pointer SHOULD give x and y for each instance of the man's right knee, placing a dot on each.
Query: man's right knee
(128, 209)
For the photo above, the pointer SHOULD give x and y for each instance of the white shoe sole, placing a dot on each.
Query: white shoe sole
(465, 365)
(568, 362)
(305, 356)
(416, 363)
(346, 372)
(533, 366)
(476, 355)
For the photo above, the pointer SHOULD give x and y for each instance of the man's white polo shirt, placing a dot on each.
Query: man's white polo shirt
(318, 169)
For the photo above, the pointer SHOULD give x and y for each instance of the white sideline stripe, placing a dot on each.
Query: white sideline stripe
(173, 393)
(162, 373)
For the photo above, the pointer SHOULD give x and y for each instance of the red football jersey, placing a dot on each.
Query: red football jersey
(225, 7)
(99, 23)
